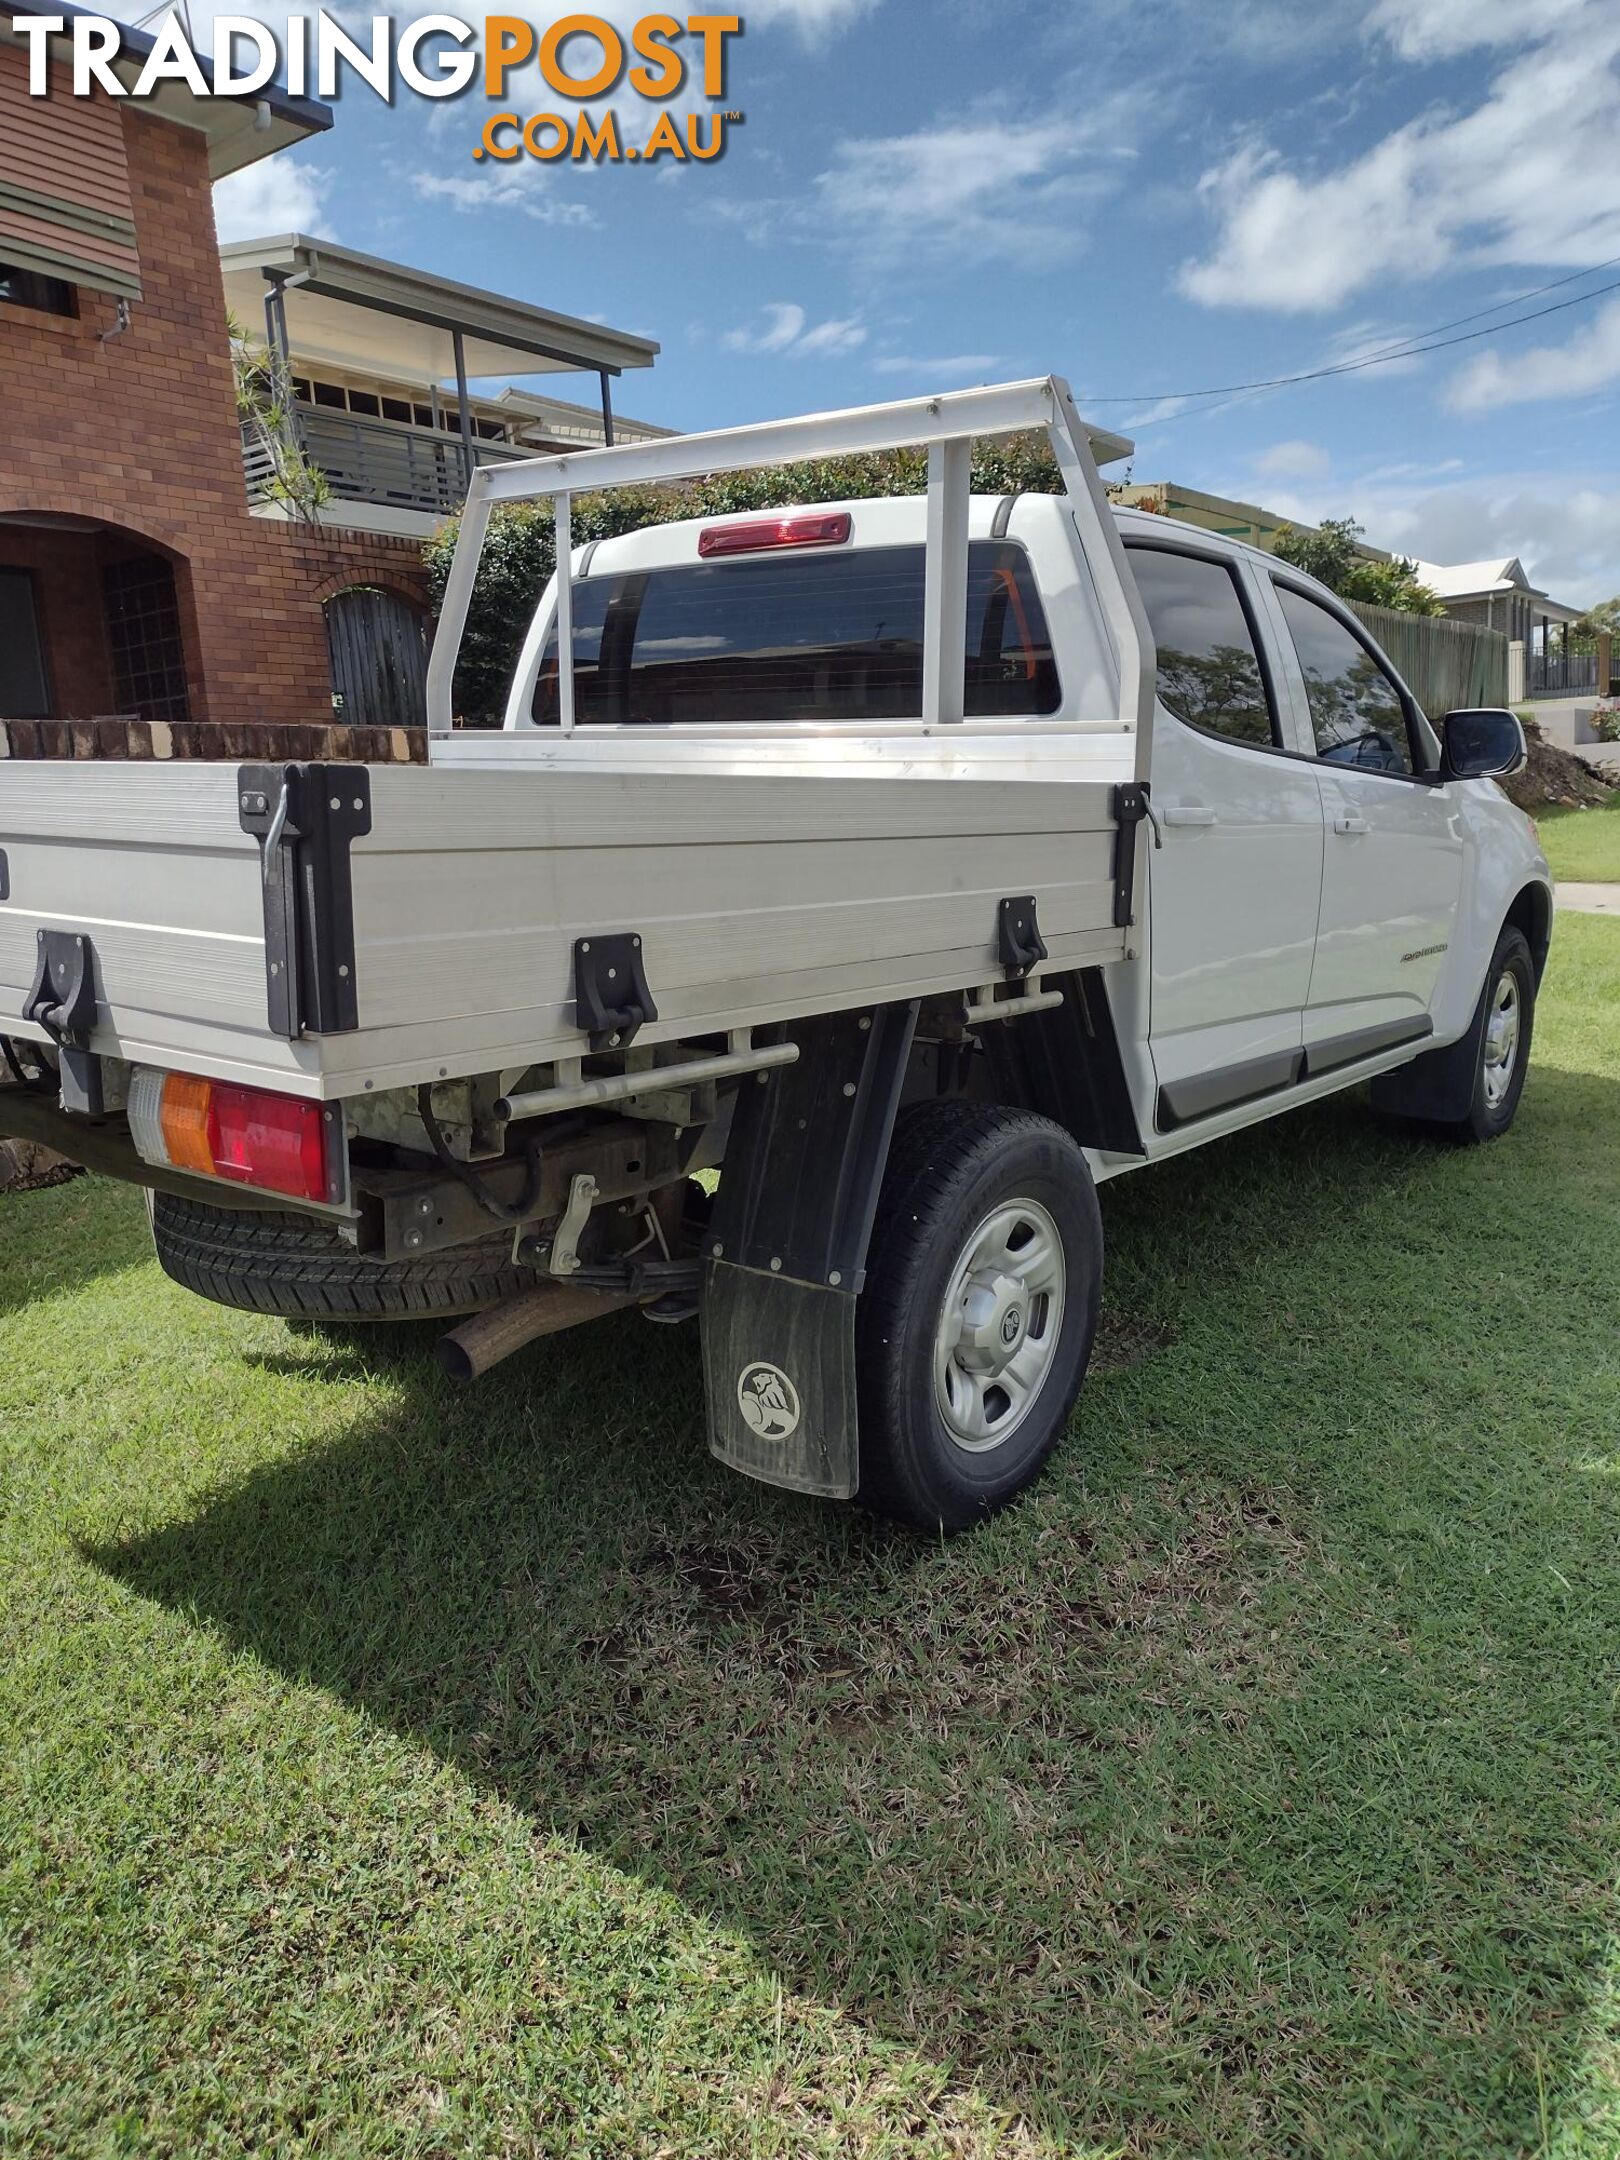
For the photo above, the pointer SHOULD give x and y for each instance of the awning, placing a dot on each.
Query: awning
(356, 311)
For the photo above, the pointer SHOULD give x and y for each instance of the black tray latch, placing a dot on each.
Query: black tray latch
(1019, 945)
(611, 998)
(62, 1000)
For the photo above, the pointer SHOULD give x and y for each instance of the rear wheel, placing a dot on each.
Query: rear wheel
(975, 1326)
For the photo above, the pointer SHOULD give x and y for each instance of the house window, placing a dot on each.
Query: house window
(332, 394)
(24, 691)
(26, 288)
(143, 638)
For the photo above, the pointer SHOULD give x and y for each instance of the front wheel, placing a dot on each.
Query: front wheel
(1509, 999)
(975, 1326)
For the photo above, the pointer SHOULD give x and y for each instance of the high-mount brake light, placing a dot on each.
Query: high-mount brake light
(247, 1136)
(824, 528)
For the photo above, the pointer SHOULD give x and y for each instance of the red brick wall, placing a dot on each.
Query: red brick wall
(140, 430)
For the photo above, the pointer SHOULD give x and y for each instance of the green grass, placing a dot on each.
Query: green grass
(1583, 844)
(389, 1771)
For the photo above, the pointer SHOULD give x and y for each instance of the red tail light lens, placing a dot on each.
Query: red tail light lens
(276, 1142)
(823, 529)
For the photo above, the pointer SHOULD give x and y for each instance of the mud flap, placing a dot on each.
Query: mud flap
(787, 1254)
(779, 1368)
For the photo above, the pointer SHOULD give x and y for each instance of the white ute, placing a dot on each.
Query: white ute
(919, 864)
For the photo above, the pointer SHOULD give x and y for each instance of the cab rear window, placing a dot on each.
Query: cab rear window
(817, 635)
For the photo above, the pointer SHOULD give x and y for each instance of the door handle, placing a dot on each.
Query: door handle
(1351, 825)
(1189, 814)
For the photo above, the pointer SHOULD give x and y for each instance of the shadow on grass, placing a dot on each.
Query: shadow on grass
(61, 1237)
(1247, 1788)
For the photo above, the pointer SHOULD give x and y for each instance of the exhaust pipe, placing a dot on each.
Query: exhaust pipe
(482, 1341)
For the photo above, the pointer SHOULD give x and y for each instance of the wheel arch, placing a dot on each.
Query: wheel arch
(1532, 912)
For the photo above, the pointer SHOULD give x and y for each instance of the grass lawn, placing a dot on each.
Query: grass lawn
(1583, 844)
(391, 1771)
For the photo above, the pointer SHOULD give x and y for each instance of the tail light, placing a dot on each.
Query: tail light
(821, 528)
(247, 1136)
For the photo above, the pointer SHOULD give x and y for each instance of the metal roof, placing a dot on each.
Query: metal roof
(1481, 580)
(357, 311)
(240, 130)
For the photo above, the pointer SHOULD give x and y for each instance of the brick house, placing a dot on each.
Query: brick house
(137, 579)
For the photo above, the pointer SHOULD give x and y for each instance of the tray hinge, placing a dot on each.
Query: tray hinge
(304, 818)
(1130, 805)
(611, 999)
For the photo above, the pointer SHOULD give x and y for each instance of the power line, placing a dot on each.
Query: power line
(1423, 341)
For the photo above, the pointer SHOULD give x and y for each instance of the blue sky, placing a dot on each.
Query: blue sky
(1149, 198)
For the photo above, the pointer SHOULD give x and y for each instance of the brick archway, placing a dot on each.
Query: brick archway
(102, 615)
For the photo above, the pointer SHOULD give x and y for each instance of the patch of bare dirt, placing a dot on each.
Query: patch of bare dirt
(1552, 775)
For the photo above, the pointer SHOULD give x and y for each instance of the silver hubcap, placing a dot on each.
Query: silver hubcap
(998, 1331)
(1501, 1038)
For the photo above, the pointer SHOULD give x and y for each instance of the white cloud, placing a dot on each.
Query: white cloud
(949, 370)
(1563, 526)
(1529, 175)
(813, 19)
(1439, 29)
(786, 328)
(1002, 183)
(1295, 460)
(503, 192)
(275, 196)
(1589, 361)
(1566, 535)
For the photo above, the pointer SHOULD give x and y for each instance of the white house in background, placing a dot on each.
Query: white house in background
(1498, 594)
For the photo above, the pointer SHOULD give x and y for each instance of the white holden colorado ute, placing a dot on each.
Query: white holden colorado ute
(917, 864)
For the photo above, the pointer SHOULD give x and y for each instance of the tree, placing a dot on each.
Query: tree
(520, 555)
(1331, 555)
(1603, 620)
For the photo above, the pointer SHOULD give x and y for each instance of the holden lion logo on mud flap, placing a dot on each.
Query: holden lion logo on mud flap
(769, 1401)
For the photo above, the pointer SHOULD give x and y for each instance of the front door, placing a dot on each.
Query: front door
(1394, 851)
(1236, 884)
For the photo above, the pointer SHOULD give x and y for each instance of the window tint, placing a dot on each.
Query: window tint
(1209, 671)
(1357, 715)
(819, 635)
(24, 694)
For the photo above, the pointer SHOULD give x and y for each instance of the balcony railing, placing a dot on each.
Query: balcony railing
(378, 461)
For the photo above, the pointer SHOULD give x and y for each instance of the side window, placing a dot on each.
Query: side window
(1357, 713)
(1209, 669)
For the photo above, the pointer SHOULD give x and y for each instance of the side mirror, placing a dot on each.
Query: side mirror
(1481, 742)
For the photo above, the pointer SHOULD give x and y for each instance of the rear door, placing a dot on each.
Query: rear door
(1392, 875)
(1236, 884)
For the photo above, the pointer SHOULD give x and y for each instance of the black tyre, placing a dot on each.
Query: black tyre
(975, 1327)
(1509, 1009)
(269, 1262)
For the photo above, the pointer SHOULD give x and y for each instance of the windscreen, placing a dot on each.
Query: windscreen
(805, 634)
